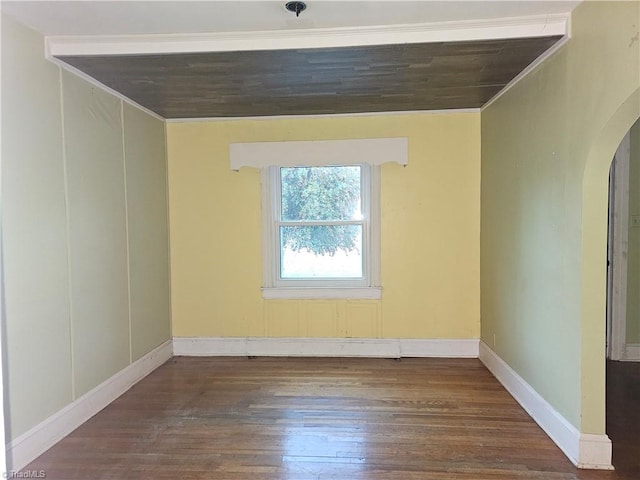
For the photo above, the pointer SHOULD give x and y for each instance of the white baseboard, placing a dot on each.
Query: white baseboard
(631, 352)
(446, 348)
(33, 443)
(584, 450)
(324, 347)
(594, 452)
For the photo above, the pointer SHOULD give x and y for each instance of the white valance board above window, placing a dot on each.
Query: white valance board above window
(315, 153)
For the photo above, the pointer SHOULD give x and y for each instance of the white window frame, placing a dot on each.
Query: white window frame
(366, 287)
(371, 152)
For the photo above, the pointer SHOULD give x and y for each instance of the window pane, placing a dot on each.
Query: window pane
(320, 193)
(326, 251)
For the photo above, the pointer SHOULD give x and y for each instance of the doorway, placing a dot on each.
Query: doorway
(623, 304)
(618, 250)
(623, 251)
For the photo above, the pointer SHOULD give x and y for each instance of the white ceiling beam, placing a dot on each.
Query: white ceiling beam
(491, 29)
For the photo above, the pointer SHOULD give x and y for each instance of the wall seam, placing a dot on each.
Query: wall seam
(79, 73)
(68, 232)
(126, 226)
(166, 186)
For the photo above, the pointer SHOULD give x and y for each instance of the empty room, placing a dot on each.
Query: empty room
(320, 240)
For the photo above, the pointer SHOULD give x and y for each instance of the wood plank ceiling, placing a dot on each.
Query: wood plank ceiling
(403, 77)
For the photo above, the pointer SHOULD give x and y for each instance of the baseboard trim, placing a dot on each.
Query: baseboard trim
(324, 347)
(33, 443)
(594, 452)
(584, 450)
(631, 352)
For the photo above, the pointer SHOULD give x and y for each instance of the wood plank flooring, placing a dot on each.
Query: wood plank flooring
(623, 414)
(313, 418)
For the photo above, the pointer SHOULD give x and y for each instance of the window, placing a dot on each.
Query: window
(321, 231)
(320, 213)
(320, 223)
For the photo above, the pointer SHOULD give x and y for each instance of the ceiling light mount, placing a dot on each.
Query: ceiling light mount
(296, 7)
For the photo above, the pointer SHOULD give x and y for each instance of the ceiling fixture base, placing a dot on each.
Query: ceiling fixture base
(296, 7)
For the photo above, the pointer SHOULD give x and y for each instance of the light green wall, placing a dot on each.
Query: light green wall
(148, 231)
(97, 232)
(34, 234)
(633, 258)
(86, 293)
(536, 140)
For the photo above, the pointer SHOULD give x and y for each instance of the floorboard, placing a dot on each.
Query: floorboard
(623, 414)
(313, 418)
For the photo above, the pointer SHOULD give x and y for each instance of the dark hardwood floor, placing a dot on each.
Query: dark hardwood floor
(623, 414)
(313, 418)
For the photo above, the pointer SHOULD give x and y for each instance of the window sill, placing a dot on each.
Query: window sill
(368, 293)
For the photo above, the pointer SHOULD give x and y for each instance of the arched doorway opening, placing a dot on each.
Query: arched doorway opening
(623, 303)
(595, 194)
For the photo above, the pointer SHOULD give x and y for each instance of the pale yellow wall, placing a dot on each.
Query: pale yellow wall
(429, 232)
(68, 256)
(633, 258)
(542, 280)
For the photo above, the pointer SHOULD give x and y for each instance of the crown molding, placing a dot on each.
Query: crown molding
(530, 68)
(489, 29)
(536, 63)
(65, 66)
(323, 115)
